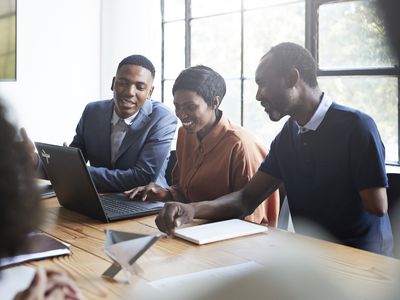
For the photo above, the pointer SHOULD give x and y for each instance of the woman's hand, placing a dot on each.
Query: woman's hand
(152, 191)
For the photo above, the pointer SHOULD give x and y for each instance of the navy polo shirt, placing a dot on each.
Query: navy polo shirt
(323, 172)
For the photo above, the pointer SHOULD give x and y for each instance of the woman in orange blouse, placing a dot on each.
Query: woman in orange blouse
(214, 156)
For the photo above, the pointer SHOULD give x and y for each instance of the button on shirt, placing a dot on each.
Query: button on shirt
(312, 126)
(118, 130)
(318, 116)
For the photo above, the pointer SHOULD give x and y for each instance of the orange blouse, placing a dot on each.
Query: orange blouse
(221, 163)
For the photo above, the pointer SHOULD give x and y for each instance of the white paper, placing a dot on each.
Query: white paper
(124, 251)
(124, 248)
(204, 278)
(45, 188)
(27, 257)
(42, 183)
(14, 280)
(218, 231)
(114, 237)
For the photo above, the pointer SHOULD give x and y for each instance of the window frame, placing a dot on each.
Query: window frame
(311, 43)
(12, 13)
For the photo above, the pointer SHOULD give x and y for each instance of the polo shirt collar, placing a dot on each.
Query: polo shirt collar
(318, 116)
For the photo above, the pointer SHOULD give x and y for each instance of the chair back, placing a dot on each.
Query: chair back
(393, 193)
(170, 167)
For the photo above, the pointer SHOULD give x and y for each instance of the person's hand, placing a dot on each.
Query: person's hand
(29, 146)
(50, 284)
(173, 215)
(149, 192)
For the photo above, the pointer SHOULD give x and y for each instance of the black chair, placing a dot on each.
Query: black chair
(393, 193)
(284, 212)
(170, 166)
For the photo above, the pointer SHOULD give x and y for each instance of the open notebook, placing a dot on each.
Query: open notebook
(218, 231)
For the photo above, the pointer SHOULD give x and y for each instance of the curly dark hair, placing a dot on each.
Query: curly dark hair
(138, 60)
(203, 80)
(19, 198)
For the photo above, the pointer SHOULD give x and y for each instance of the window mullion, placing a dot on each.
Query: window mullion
(162, 48)
(241, 63)
(188, 16)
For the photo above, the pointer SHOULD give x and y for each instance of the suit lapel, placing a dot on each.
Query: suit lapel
(104, 130)
(137, 128)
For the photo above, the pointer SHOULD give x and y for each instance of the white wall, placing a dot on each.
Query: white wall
(57, 66)
(67, 53)
(130, 27)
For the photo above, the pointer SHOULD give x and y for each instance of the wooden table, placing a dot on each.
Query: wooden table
(366, 274)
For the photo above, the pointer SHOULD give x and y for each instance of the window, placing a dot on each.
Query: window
(355, 63)
(347, 38)
(7, 40)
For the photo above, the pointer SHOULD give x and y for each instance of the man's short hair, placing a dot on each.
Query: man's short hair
(290, 55)
(138, 60)
(203, 80)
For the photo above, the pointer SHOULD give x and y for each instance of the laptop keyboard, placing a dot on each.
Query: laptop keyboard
(118, 205)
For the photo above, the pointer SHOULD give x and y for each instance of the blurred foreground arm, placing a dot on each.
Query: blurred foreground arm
(50, 284)
(29, 146)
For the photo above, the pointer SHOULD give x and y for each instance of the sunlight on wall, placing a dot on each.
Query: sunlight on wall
(67, 53)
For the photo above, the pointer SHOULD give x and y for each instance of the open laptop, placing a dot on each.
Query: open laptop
(75, 190)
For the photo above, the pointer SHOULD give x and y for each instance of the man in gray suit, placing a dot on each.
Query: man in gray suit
(126, 139)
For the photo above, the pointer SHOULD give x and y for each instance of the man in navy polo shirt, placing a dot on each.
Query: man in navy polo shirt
(330, 158)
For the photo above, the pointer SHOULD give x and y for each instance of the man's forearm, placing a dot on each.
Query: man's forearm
(225, 207)
(238, 204)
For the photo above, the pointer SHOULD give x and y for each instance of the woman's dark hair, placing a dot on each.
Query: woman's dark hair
(19, 198)
(203, 80)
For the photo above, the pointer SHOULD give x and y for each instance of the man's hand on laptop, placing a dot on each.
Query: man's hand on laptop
(173, 215)
(149, 192)
(29, 146)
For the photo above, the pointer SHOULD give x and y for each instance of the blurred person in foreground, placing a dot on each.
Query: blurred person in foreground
(390, 10)
(20, 214)
(215, 157)
(330, 158)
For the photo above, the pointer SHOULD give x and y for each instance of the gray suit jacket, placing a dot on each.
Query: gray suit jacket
(143, 154)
